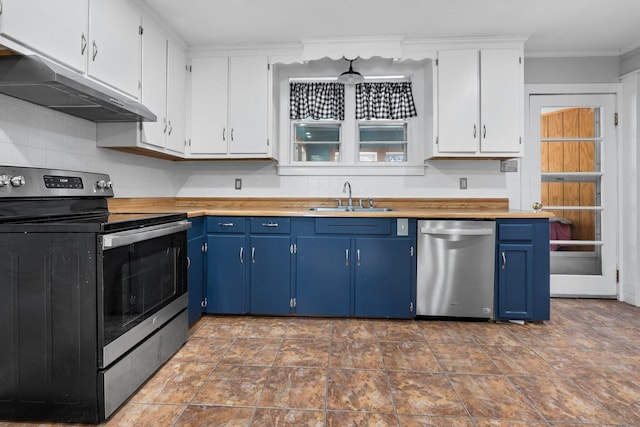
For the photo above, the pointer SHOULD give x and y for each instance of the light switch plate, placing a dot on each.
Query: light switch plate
(238, 184)
(403, 227)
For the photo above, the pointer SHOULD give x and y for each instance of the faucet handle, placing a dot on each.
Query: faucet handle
(339, 202)
(360, 203)
(370, 202)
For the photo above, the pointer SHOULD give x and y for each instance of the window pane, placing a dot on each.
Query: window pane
(320, 133)
(383, 152)
(316, 152)
(382, 133)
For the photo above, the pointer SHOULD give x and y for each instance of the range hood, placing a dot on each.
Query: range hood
(37, 80)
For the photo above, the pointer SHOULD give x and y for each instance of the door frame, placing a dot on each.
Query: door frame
(530, 178)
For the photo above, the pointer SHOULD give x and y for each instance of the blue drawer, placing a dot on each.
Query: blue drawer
(270, 225)
(353, 225)
(225, 224)
(520, 232)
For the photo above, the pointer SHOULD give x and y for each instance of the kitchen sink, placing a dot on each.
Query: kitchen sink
(347, 209)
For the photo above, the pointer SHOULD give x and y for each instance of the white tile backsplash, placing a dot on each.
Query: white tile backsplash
(35, 136)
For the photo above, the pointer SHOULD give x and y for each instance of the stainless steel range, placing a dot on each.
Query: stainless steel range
(91, 302)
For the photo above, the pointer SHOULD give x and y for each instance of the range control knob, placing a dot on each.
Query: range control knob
(103, 184)
(18, 181)
(4, 180)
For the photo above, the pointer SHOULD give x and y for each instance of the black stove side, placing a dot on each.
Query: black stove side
(48, 327)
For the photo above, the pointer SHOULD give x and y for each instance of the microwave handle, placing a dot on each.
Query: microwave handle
(115, 240)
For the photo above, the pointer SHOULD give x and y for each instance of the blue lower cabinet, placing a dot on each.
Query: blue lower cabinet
(522, 269)
(226, 273)
(195, 270)
(323, 270)
(383, 271)
(270, 266)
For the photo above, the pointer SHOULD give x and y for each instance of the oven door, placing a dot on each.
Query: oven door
(142, 285)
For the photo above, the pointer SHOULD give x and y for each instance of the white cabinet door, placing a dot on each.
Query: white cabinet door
(57, 29)
(480, 103)
(154, 84)
(248, 105)
(114, 45)
(501, 104)
(176, 98)
(458, 101)
(209, 78)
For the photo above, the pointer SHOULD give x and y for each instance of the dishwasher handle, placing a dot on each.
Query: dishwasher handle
(457, 231)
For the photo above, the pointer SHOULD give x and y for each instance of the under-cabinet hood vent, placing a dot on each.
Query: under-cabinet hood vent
(37, 80)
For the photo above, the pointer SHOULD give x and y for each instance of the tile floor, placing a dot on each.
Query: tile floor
(582, 368)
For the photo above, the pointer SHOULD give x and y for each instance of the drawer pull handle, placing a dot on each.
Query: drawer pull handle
(225, 224)
(269, 224)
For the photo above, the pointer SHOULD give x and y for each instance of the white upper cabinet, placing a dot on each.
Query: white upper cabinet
(57, 29)
(163, 90)
(479, 103)
(114, 44)
(229, 107)
(98, 37)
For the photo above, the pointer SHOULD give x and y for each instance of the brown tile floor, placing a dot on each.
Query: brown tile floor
(580, 368)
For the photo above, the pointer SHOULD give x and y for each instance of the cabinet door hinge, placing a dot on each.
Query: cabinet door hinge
(411, 307)
(268, 66)
(615, 119)
(140, 30)
(204, 303)
(292, 303)
(520, 140)
(617, 276)
(437, 139)
(436, 62)
(267, 142)
(411, 251)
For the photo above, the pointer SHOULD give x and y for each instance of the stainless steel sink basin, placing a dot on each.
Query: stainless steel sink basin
(347, 209)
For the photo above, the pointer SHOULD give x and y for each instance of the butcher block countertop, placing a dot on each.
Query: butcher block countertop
(446, 208)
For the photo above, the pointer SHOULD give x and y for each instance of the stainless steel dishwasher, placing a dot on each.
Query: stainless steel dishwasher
(456, 262)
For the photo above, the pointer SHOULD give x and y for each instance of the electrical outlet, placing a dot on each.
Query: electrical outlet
(508, 166)
(463, 183)
(238, 184)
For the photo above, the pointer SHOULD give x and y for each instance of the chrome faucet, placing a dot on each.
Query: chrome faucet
(344, 190)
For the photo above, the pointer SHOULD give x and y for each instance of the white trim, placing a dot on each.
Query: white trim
(389, 169)
(572, 53)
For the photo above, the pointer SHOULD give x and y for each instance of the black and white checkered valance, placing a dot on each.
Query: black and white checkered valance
(318, 100)
(384, 100)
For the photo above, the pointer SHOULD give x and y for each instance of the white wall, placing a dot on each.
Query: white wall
(629, 190)
(35, 136)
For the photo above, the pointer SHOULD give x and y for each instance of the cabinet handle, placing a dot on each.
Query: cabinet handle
(269, 224)
(225, 224)
(170, 128)
(504, 260)
(95, 51)
(346, 257)
(474, 131)
(188, 262)
(358, 257)
(241, 255)
(224, 131)
(231, 134)
(164, 130)
(484, 131)
(83, 44)
(253, 255)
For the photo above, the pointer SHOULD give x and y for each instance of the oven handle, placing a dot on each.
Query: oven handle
(115, 240)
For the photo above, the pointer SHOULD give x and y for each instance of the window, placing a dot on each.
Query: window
(316, 142)
(382, 142)
(374, 128)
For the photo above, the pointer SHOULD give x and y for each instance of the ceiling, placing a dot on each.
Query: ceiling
(553, 27)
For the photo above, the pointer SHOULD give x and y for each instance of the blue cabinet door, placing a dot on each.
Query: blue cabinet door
(226, 272)
(323, 271)
(270, 261)
(383, 277)
(195, 278)
(195, 271)
(515, 281)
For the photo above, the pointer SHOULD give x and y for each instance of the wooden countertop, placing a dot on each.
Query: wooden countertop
(299, 207)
